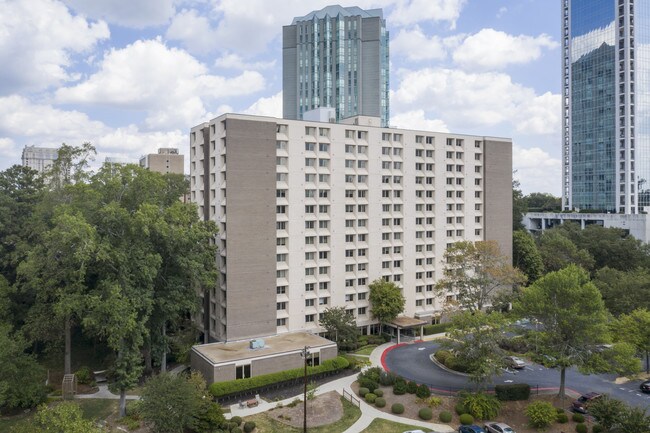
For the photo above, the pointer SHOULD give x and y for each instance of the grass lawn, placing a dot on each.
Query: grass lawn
(265, 424)
(380, 425)
(366, 350)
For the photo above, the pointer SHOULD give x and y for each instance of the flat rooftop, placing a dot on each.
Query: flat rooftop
(219, 353)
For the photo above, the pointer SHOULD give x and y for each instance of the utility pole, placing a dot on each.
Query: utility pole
(305, 354)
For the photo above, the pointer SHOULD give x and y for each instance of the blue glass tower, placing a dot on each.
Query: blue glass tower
(606, 91)
(336, 57)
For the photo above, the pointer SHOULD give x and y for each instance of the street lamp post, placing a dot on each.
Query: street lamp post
(305, 353)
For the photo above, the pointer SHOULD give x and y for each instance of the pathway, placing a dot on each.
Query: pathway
(104, 392)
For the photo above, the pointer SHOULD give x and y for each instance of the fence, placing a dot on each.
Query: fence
(352, 398)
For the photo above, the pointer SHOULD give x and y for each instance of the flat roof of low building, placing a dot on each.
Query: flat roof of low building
(219, 353)
(407, 322)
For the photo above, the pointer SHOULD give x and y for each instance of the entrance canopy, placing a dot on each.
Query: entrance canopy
(405, 322)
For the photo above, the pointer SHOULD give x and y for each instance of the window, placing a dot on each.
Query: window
(281, 241)
(281, 209)
(280, 258)
(323, 301)
(362, 311)
(310, 271)
(281, 225)
(310, 147)
(243, 371)
(310, 255)
(323, 147)
(281, 322)
(280, 290)
(309, 224)
(281, 306)
(281, 193)
(310, 318)
(309, 208)
(309, 287)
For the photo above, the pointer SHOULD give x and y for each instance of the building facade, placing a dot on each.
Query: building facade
(39, 158)
(167, 160)
(606, 91)
(311, 213)
(637, 225)
(336, 57)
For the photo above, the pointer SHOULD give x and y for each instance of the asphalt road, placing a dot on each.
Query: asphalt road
(412, 362)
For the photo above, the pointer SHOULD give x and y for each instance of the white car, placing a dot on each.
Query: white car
(515, 362)
(498, 427)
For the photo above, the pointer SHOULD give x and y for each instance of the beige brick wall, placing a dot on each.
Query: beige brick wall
(498, 193)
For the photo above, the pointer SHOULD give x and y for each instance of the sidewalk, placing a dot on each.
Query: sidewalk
(103, 392)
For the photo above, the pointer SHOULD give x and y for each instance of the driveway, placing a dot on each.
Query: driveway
(412, 361)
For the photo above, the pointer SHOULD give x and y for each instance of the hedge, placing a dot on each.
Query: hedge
(380, 402)
(578, 417)
(581, 428)
(562, 418)
(425, 413)
(445, 416)
(221, 389)
(378, 392)
(249, 426)
(466, 419)
(512, 392)
(397, 408)
(370, 397)
(437, 328)
(363, 391)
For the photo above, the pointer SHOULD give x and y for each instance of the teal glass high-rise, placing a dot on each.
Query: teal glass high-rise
(336, 57)
(606, 98)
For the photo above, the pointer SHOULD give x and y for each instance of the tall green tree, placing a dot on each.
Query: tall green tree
(474, 337)
(624, 291)
(477, 271)
(634, 328)
(386, 301)
(572, 315)
(607, 411)
(339, 324)
(558, 252)
(542, 202)
(612, 247)
(526, 256)
(519, 207)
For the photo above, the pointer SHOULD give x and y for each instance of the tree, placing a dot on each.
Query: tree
(519, 207)
(63, 417)
(634, 328)
(386, 301)
(70, 165)
(526, 256)
(22, 379)
(608, 412)
(558, 252)
(475, 336)
(477, 271)
(542, 202)
(339, 323)
(634, 420)
(571, 313)
(621, 359)
(624, 291)
(612, 247)
(172, 403)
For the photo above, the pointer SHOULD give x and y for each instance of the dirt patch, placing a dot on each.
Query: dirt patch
(324, 409)
(512, 413)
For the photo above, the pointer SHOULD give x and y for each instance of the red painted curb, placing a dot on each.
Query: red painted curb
(383, 355)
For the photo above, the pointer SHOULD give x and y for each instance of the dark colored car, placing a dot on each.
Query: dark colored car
(470, 429)
(582, 403)
(645, 386)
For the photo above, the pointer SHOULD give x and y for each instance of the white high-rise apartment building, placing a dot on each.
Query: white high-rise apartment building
(39, 158)
(311, 213)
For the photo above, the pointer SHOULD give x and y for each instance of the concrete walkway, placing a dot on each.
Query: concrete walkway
(103, 392)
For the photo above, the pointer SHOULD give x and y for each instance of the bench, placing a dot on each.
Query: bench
(252, 402)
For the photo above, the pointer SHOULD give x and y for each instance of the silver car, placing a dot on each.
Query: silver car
(515, 362)
(498, 427)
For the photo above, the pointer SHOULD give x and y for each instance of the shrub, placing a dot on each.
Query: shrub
(366, 382)
(411, 387)
(425, 413)
(249, 426)
(445, 416)
(466, 419)
(423, 391)
(380, 402)
(434, 401)
(453, 363)
(373, 374)
(232, 425)
(581, 427)
(236, 430)
(559, 410)
(512, 392)
(460, 408)
(378, 392)
(399, 388)
(437, 328)
(482, 406)
(387, 379)
(84, 375)
(442, 355)
(562, 418)
(363, 391)
(131, 422)
(578, 417)
(221, 389)
(541, 414)
(597, 428)
(236, 420)
(370, 397)
(397, 408)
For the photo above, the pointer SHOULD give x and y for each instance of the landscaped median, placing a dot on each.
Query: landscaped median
(224, 389)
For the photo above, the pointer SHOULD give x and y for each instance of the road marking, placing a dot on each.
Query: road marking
(421, 348)
(508, 381)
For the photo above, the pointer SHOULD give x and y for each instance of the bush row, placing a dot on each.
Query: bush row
(221, 389)
(512, 392)
(437, 328)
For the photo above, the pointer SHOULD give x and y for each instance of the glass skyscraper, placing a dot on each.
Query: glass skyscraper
(336, 57)
(606, 97)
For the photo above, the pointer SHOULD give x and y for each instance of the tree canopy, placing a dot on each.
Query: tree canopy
(526, 256)
(386, 300)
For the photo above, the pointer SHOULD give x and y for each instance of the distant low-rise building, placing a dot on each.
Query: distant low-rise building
(39, 158)
(167, 160)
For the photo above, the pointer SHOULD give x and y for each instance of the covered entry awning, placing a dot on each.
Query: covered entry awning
(405, 322)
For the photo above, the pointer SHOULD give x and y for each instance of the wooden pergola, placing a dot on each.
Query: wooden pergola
(404, 322)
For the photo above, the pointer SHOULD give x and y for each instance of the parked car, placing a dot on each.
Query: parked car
(645, 386)
(470, 429)
(498, 427)
(515, 362)
(582, 403)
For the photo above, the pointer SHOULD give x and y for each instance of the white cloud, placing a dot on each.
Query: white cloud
(234, 61)
(537, 170)
(37, 40)
(415, 45)
(493, 49)
(464, 100)
(193, 31)
(128, 13)
(168, 83)
(416, 119)
(502, 11)
(271, 106)
(414, 11)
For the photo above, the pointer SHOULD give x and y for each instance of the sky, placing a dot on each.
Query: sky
(131, 76)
